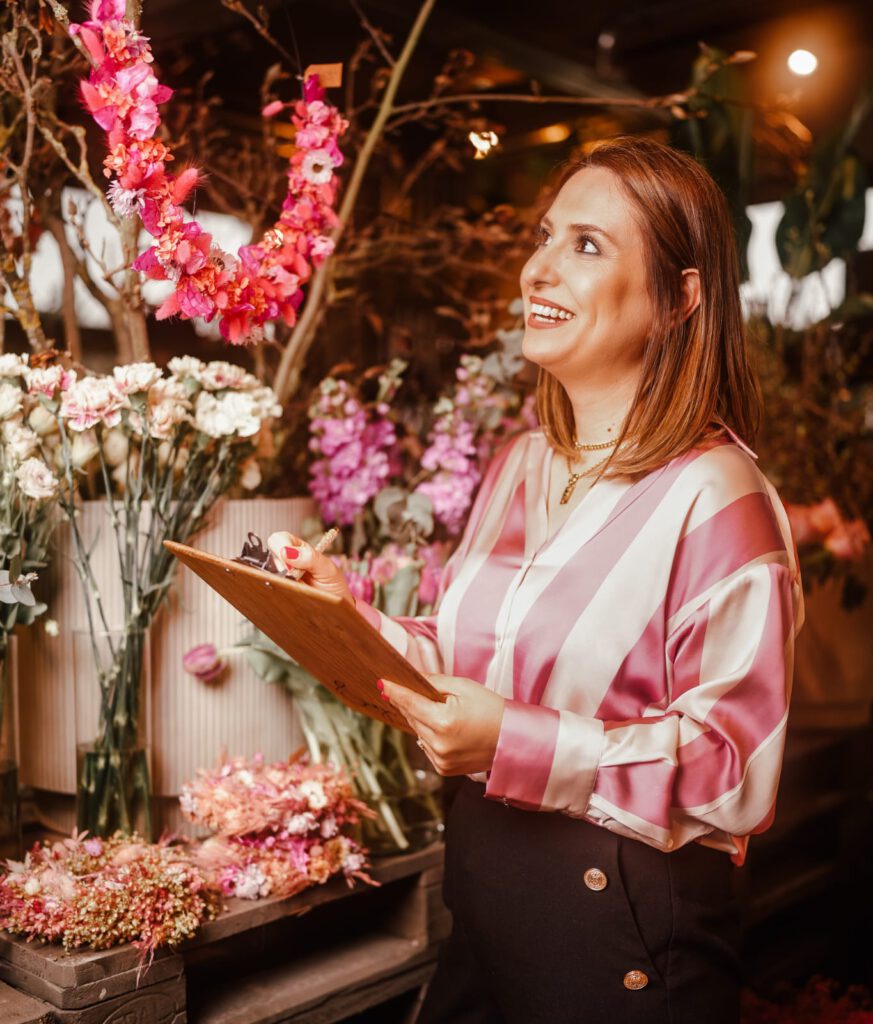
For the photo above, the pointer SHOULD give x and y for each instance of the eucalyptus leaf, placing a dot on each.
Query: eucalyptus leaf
(400, 593)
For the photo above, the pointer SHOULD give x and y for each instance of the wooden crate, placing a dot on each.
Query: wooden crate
(317, 957)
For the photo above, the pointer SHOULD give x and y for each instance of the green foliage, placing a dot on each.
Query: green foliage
(824, 216)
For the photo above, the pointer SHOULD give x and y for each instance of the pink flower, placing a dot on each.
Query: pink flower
(271, 109)
(203, 662)
(91, 401)
(848, 541)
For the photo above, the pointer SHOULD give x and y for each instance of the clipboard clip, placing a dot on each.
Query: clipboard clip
(255, 553)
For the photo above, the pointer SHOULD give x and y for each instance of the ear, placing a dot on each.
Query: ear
(690, 293)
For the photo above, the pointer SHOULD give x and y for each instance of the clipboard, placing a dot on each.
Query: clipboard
(321, 632)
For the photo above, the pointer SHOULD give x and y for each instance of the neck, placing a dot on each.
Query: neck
(599, 412)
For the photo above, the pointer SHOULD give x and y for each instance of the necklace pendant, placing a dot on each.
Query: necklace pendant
(568, 490)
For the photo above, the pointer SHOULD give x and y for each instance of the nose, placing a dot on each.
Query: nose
(541, 268)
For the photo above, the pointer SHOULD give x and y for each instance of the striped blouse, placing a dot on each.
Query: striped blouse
(645, 650)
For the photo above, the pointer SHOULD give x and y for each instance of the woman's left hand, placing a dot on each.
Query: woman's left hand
(459, 736)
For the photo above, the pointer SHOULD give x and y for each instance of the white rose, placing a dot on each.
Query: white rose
(136, 377)
(186, 366)
(10, 400)
(12, 365)
(218, 375)
(36, 480)
(234, 412)
(32, 886)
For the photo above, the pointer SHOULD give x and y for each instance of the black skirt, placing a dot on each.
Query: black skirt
(557, 920)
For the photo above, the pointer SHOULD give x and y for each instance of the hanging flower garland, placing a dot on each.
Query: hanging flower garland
(264, 282)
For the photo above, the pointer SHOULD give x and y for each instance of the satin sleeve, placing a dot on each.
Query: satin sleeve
(709, 762)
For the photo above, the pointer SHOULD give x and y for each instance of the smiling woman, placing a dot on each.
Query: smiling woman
(614, 634)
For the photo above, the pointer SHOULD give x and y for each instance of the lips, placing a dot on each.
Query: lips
(544, 313)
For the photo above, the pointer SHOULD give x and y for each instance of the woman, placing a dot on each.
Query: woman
(615, 633)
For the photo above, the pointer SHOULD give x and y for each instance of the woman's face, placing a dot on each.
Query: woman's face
(586, 301)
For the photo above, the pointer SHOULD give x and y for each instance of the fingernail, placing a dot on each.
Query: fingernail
(291, 554)
(380, 685)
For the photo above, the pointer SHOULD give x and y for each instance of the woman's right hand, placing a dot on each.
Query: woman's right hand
(318, 570)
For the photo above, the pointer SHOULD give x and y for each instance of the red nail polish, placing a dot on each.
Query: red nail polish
(379, 685)
(291, 554)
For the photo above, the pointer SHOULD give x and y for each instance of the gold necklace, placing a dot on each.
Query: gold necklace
(594, 447)
(576, 477)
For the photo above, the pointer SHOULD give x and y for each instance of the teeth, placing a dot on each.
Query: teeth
(551, 312)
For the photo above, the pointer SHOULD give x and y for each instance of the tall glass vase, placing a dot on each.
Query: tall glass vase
(112, 673)
(410, 814)
(10, 805)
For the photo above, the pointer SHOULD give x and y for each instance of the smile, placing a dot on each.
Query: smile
(544, 314)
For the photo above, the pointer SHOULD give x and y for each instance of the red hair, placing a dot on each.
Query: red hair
(697, 373)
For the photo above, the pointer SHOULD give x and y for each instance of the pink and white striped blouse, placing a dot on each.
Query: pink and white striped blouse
(645, 650)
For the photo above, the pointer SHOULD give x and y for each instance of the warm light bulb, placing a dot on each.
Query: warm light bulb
(802, 62)
(483, 143)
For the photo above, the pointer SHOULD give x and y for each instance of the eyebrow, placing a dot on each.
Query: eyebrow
(590, 228)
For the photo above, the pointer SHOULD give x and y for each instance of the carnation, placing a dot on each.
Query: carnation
(136, 377)
(91, 401)
(48, 379)
(219, 375)
(233, 413)
(186, 366)
(12, 365)
(20, 441)
(10, 400)
(36, 480)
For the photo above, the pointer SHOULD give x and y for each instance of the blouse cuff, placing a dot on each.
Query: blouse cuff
(546, 760)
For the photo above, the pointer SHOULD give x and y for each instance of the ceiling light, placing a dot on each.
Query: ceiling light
(802, 62)
(483, 143)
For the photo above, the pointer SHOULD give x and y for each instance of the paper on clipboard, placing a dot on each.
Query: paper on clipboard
(321, 632)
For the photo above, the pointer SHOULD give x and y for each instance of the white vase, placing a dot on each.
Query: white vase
(192, 722)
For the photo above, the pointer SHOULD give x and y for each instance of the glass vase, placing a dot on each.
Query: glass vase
(410, 812)
(113, 732)
(10, 804)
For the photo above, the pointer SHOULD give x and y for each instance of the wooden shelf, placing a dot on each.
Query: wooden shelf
(317, 957)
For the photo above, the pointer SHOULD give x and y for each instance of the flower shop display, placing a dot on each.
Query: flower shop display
(279, 828)
(400, 489)
(28, 515)
(88, 891)
(264, 281)
(160, 449)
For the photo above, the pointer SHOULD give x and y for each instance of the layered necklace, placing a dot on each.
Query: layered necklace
(574, 478)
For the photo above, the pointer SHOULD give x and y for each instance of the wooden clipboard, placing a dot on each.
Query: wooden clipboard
(323, 633)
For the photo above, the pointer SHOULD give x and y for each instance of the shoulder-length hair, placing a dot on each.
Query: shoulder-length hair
(696, 375)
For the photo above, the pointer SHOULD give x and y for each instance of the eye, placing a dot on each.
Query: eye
(586, 244)
(541, 237)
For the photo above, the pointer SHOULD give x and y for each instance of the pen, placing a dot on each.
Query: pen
(323, 544)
